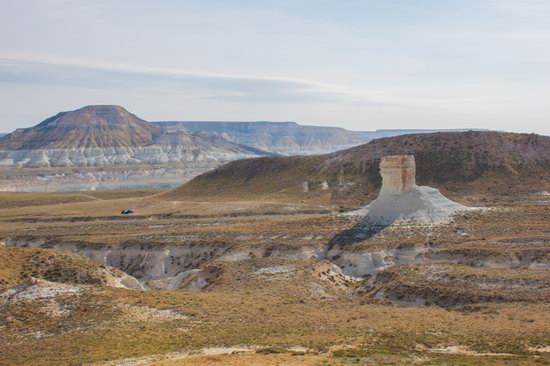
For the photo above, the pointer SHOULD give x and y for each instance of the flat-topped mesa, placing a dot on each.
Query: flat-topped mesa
(398, 174)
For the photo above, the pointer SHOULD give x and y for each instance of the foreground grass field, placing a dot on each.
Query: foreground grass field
(101, 324)
(23, 199)
(273, 305)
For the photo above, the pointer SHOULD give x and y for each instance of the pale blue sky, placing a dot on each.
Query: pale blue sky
(359, 64)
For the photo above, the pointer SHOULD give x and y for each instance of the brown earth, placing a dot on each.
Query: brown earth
(480, 301)
(91, 126)
(467, 166)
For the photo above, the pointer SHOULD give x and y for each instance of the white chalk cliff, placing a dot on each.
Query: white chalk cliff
(130, 155)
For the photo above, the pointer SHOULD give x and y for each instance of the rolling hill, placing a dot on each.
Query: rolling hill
(465, 165)
(378, 134)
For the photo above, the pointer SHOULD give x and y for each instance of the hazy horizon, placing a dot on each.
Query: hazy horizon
(360, 65)
(266, 121)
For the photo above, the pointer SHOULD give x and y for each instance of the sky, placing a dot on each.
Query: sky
(358, 64)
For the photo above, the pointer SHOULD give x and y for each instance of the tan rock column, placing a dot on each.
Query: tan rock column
(398, 174)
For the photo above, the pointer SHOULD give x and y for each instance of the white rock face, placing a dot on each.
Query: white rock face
(401, 200)
(364, 262)
(82, 157)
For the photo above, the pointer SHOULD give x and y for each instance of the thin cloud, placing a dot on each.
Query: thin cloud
(77, 73)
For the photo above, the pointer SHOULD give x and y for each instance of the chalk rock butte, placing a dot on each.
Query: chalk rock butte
(401, 200)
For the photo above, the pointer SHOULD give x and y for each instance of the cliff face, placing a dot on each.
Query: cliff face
(285, 138)
(105, 156)
(110, 135)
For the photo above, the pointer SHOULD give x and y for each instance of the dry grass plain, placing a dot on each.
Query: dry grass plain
(272, 303)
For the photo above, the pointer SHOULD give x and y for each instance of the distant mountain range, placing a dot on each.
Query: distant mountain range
(109, 135)
(105, 146)
(285, 138)
(101, 135)
(288, 138)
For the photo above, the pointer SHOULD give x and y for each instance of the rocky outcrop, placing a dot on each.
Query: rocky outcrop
(398, 174)
(401, 200)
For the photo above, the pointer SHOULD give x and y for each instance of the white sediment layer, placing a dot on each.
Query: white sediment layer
(95, 156)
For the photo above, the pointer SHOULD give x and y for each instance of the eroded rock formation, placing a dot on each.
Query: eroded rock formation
(401, 200)
(398, 174)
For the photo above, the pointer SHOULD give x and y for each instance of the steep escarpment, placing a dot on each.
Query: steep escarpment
(465, 164)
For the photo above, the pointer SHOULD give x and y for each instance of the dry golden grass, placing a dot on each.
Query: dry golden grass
(298, 308)
(18, 265)
(23, 199)
(289, 359)
(246, 359)
(280, 319)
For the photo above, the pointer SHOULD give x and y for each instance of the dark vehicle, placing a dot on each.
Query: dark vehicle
(128, 211)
